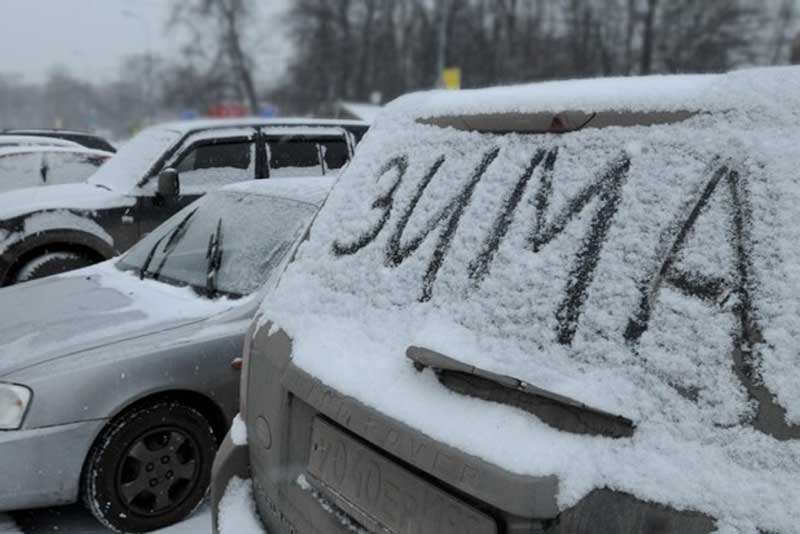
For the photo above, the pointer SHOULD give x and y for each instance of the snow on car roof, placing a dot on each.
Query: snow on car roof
(204, 124)
(703, 92)
(4, 151)
(32, 140)
(647, 270)
(312, 190)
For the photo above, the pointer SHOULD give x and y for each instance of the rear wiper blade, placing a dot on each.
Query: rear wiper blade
(555, 410)
(214, 257)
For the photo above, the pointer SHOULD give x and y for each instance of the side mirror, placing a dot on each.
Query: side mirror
(169, 183)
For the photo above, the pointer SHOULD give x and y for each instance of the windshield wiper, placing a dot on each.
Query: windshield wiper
(171, 241)
(554, 410)
(214, 257)
(174, 238)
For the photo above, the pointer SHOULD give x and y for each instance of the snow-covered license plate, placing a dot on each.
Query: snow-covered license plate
(386, 493)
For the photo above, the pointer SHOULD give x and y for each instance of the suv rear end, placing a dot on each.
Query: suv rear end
(567, 308)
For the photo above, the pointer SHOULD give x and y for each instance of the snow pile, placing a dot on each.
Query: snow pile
(649, 271)
(239, 431)
(237, 510)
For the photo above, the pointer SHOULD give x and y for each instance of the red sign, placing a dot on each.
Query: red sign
(221, 111)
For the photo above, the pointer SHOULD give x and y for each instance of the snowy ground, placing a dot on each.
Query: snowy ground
(76, 520)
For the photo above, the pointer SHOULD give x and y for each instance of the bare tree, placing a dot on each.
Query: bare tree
(220, 25)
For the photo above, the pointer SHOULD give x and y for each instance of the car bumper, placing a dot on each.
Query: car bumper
(231, 461)
(42, 467)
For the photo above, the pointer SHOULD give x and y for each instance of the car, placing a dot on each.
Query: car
(86, 139)
(7, 140)
(118, 381)
(44, 231)
(31, 166)
(564, 308)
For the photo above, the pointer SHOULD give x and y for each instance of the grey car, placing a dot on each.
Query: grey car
(118, 381)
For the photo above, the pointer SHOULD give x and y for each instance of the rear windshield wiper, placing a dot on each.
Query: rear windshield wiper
(555, 410)
(214, 257)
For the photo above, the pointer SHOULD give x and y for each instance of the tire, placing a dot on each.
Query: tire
(51, 263)
(150, 468)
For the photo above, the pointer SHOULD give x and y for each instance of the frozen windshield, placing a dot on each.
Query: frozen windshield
(226, 244)
(132, 163)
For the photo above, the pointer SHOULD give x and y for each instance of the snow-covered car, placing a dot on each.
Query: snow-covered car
(7, 140)
(564, 308)
(85, 139)
(118, 381)
(44, 231)
(32, 166)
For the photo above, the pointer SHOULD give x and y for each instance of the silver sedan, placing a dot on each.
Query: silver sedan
(118, 382)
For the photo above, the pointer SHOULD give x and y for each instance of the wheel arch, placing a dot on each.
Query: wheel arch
(29, 247)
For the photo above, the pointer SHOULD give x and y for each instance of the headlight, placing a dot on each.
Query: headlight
(14, 402)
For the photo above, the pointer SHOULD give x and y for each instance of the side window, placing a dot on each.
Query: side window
(217, 164)
(20, 170)
(291, 157)
(335, 153)
(69, 167)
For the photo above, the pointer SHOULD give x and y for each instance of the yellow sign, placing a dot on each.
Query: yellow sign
(452, 78)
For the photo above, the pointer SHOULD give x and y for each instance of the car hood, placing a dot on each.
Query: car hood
(81, 196)
(67, 314)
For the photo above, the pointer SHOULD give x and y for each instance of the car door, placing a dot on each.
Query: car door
(205, 161)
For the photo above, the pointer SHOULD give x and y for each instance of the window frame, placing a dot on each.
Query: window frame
(303, 133)
(187, 149)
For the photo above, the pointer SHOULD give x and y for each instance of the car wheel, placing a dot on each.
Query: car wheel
(150, 469)
(51, 263)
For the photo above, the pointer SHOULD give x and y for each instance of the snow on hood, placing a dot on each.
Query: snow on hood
(616, 266)
(66, 314)
(81, 196)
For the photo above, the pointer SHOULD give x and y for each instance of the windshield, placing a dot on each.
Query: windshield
(134, 160)
(228, 243)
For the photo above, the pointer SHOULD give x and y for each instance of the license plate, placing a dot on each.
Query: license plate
(398, 501)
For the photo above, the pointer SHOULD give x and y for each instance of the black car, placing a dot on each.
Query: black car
(161, 170)
(89, 140)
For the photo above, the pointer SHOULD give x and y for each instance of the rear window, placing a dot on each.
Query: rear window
(648, 271)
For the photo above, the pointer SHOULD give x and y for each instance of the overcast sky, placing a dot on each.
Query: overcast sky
(89, 37)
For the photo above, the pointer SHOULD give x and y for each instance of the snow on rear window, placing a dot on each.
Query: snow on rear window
(649, 271)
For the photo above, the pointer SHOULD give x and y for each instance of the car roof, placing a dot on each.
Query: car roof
(310, 190)
(77, 149)
(209, 124)
(87, 139)
(45, 131)
(28, 140)
(623, 95)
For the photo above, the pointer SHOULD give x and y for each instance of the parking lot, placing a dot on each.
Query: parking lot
(400, 267)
